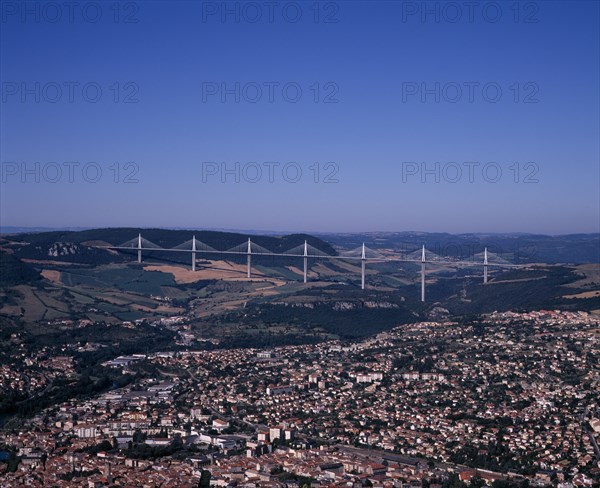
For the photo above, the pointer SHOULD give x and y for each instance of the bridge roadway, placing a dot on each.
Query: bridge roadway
(315, 256)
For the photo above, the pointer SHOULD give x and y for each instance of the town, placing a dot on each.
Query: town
(505, 399)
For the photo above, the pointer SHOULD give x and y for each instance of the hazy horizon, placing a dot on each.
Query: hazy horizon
(9, 229)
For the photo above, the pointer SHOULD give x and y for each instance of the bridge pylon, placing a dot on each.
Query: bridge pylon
(139, 248)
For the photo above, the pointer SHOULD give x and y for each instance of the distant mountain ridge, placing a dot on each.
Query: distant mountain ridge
(76, 246)
(516, 248)
(169, 238)
(12, 229)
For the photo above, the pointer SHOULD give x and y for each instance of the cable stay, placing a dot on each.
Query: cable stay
(308, 250)
(199, 246)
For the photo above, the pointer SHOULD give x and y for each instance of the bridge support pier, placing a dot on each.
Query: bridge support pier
(305, 261)
(363, 263)
(423, 274)
(194, 253)
(422, 282)
(485, 266)
(139, 257)
(305, 269)
(362, 274)
(249, 263)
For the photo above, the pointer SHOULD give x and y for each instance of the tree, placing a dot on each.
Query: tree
(204, 479)
(477, 482)
(454, 481)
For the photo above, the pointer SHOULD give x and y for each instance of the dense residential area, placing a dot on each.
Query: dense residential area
(505, 399)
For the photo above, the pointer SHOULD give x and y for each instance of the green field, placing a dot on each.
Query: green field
(127, 278)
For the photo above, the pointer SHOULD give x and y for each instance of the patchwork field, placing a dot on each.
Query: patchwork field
(212, 270)
(590, 276)
(585, 294)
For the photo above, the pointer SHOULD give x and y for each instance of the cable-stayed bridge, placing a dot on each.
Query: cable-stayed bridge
(307, 251)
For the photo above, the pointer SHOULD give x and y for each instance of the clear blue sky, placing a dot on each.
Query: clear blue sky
(381, 61)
